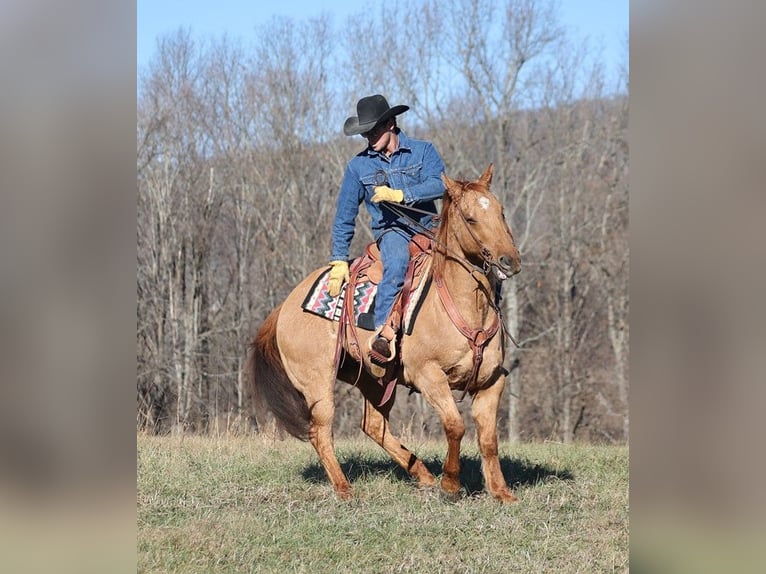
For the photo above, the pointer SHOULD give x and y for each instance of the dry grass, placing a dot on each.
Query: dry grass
(255, 504)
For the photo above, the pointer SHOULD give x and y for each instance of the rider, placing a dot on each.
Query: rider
(392, 168)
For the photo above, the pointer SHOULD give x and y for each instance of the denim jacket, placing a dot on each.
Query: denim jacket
(415, 168)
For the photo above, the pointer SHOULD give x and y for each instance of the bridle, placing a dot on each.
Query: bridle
(488, 260)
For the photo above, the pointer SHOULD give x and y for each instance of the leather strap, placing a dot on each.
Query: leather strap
(477, 338)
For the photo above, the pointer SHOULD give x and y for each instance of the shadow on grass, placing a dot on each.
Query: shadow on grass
(518, 473)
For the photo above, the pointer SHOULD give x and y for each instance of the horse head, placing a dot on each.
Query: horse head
(476, 220)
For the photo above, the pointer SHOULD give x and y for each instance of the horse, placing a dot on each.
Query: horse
(455, 344)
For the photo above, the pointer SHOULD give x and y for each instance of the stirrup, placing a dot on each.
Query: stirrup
(376, 355)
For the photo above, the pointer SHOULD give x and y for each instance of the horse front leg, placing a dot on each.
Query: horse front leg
(484, 411)
(434, 386)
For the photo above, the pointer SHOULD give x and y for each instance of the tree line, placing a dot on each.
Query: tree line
(240, 155)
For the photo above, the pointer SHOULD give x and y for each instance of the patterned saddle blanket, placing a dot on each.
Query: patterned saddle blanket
(368, 270)
(320, 302)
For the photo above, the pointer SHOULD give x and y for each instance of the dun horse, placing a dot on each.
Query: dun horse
(456, 344)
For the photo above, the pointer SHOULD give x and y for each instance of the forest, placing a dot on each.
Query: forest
(240, 155)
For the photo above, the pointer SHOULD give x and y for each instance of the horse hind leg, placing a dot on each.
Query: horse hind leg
(320, 396)
(320, 435)
(319, 407)
(484, 412)
(375, 425)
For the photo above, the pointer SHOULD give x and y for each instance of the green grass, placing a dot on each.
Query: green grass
(254, 504)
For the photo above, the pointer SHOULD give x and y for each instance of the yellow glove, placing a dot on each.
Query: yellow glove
(385, 193)
(338, 274)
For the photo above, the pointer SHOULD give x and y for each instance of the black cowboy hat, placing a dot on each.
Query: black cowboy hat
(371, 110)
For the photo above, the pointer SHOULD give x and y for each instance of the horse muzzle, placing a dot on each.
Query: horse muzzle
(506, 267)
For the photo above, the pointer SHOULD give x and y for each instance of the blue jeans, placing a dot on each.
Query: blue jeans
(394, 252)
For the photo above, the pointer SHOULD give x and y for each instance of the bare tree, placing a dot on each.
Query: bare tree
(170, 288)
(612, 262)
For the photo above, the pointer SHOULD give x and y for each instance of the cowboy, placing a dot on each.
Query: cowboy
(392, 169)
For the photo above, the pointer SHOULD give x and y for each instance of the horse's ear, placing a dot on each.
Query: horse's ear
(486, 177)
(450, 185)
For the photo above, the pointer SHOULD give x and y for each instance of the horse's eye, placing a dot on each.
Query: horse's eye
(470, 220)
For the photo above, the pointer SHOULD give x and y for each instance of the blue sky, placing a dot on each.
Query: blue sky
(603, 22)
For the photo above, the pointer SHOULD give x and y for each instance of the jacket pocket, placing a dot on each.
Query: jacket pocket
(380, 177)
(410, 175)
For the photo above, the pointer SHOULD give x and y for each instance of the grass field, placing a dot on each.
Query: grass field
(255, 504)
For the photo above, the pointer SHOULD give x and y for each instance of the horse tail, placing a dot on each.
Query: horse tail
(270, 384)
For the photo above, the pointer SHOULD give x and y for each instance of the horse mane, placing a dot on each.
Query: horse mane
(441, 234)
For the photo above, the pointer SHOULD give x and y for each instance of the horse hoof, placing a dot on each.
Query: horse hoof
(506, 497)
(345, 494)
(428, 483)
(451, 490)
(450, 485)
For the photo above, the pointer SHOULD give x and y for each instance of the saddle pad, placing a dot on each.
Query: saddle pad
(320, 302)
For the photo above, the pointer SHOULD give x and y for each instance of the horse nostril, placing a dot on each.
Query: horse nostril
(512, 263)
